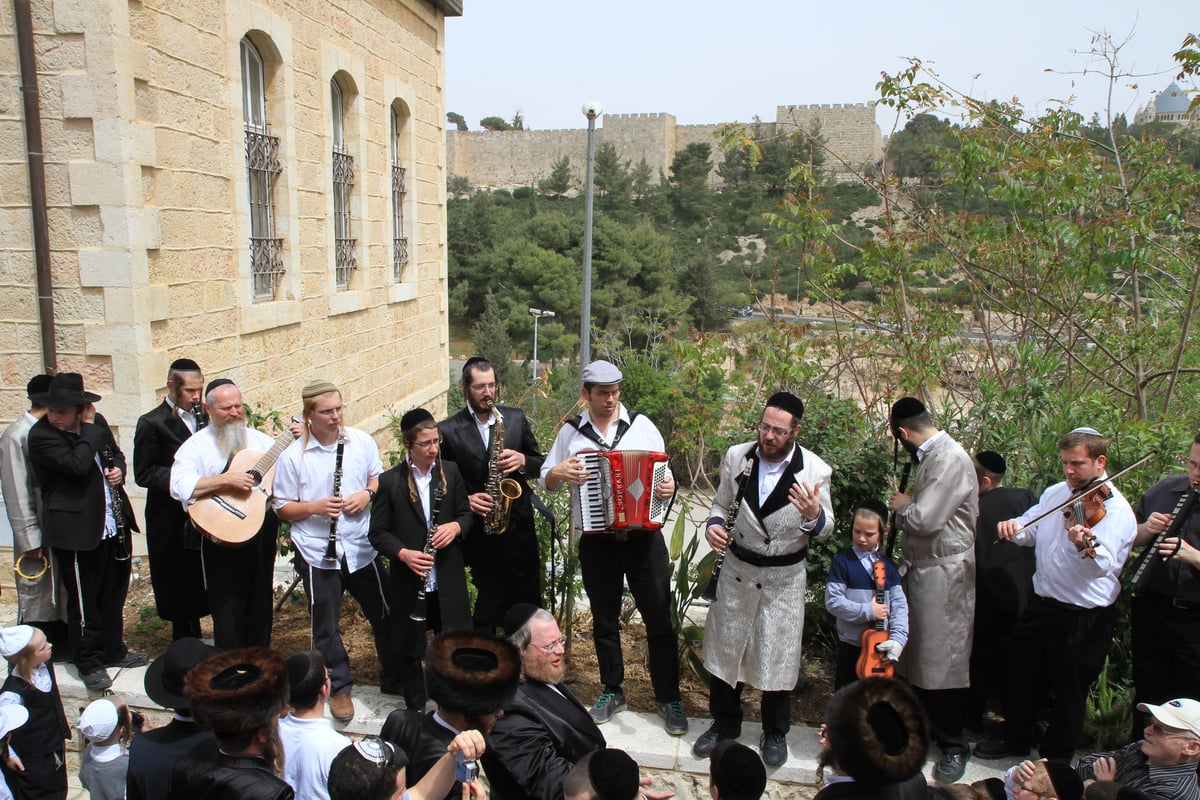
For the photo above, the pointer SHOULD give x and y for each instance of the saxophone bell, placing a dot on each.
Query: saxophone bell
(502, 491)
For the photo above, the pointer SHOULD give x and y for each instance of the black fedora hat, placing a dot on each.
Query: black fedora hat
(66, 389)
(164, 676)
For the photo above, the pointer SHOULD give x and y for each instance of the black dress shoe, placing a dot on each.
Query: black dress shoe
(707, 742)
(999, 748)
(774, 748)
(951, 766)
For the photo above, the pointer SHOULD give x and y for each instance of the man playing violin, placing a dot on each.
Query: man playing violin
(1062, 638)
(1165, 614)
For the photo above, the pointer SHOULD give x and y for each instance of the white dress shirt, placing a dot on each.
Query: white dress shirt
(309, 747)
(198, 457)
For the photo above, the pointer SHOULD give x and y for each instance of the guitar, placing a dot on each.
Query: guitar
(871, 663)
(231, 520)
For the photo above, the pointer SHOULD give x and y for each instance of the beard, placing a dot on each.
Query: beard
(230, 436)
(545, 673)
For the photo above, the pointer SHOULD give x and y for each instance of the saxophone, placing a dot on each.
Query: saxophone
(503, 491)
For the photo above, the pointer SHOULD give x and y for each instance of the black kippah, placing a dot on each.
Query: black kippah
(184, 365)
(216, 383)
(38, 384)
(236, 677)
(786, 401)
(413, 418)
(907, 408)
(298, 666)
(517, 616)
(742, 772)
(613, 775)
(991, 461)
(874, 506)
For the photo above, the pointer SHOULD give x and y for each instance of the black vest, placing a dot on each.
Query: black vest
(47, 729)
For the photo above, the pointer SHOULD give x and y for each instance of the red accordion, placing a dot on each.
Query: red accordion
(619, 492)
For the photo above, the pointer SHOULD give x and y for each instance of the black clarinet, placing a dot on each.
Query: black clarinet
(199, 415)
(892, 529)
(330, 558)
(418, 612)
(108, 459)
(1183, 509)
(710, 591)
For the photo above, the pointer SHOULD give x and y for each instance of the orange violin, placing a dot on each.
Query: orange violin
(871, 663)
(1087, 510)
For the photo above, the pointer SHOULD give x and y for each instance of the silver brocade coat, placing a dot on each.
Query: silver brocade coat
(938, 563)
(754, 629)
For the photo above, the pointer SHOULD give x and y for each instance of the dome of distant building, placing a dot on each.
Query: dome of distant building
(1172, 100)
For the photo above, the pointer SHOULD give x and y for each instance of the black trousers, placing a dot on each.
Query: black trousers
(725, 705)
(324, 588)
(641, 560)
(505, 569)
(96, 584)
(1057, 651)
(1166, 653)
(238, 582)
(945, 709)
(44, 778)
(846, 671)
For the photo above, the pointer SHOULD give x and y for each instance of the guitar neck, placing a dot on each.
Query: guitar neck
(880, 592)
(268, 458)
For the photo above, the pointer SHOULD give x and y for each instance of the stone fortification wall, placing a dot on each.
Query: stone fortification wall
(507, 159)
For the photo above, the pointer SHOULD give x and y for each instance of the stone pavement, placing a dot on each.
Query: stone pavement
(667, 758)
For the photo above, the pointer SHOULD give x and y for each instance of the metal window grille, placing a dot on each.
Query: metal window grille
(345, 258)
(266, 251)
(399, 240)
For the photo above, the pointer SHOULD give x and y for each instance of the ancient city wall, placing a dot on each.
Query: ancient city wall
(507, 159)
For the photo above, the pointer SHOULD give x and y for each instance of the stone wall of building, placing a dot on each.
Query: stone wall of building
(142, 116)
(507, 159)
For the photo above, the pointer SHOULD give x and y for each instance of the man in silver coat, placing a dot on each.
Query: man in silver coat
(754, 628)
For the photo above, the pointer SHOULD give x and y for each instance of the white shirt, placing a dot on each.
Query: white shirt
(484, 428)
(309, 747)
(305, 473)
(768, 476)
(186, 417)
(1061, 573)
(198, 458)
(642, 434)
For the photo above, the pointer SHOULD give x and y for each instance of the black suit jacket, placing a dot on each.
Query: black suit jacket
(174, 569)
(462, 445)
(152, 756)
(537, 741)
(72, 484)
(399, 523)
(423, 739)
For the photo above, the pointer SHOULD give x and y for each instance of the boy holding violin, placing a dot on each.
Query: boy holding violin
(1082, 530)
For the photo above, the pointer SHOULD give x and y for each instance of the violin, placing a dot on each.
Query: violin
(871, 663)
(1087, 509)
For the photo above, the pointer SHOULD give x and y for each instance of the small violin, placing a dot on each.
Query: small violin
(1087, 510)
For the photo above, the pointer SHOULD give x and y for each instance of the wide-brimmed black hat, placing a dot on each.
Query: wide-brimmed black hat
(66, 389)
(472, 673)
(164, 676)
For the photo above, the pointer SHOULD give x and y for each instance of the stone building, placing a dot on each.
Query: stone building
(1172, 104)
(255, 184)
(508, 159)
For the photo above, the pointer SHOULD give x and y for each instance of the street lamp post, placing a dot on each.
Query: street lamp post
(591, 110)
(538, 314)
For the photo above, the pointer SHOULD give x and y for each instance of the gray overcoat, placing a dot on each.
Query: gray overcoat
(754, 629)
(37, 600)
(938, 564)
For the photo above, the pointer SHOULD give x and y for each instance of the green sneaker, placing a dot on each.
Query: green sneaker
(674, 720)
(607, 704)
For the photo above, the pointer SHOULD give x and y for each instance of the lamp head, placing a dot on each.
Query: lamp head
(592, 109)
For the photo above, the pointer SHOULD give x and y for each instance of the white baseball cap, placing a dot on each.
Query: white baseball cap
(12, 716)
(1183, 714)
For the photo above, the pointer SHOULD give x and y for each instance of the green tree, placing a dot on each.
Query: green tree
(914, 151)
(457, 120)
(490, 334)
(689, 194)
(641, 179)
(495, 124)
(611, 178)
(560, 178)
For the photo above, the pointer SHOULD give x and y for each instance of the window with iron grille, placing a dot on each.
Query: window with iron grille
(345, 258)
(399, 194)
(262, 173)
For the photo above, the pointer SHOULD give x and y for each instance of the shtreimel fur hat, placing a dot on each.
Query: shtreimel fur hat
(472, 673)
(877, 731)
(238, 690)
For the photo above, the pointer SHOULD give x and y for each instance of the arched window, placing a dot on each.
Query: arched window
(262, 173)
(399, 197)
(345, 259)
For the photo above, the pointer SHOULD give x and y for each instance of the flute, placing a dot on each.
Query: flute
(330, 558)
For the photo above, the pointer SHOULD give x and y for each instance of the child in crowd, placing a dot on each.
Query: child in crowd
(105, 724)
(36, 765)
(850, 593)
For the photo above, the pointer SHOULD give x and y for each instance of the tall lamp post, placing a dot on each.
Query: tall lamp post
(538, 314)
(591, 110)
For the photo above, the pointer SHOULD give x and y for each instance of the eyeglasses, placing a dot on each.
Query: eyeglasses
(483, 387)
(1169, 733)
(428, 443)
(558, 643)
(766, 429)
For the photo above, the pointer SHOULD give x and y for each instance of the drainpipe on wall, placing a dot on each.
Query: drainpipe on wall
(37, 182)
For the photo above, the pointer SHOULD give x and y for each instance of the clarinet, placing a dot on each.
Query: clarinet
(710, 591)
(330, 558)
(418, 612)
(199, 415)
(1183, 508)
(108, 459)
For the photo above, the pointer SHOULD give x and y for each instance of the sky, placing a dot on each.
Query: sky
(708, 62)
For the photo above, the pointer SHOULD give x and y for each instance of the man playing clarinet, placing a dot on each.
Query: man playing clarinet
(1166, 600)
(324, 485)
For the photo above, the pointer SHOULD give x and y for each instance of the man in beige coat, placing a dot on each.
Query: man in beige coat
(938, 564)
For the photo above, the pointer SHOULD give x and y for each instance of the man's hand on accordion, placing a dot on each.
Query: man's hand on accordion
(665, 489)
(570, 470)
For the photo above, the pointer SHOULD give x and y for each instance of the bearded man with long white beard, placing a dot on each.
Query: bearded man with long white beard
(237, 580)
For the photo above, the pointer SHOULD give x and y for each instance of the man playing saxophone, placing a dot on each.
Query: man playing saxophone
(495, 451)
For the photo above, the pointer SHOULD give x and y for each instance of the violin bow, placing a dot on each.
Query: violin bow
(1080, 493)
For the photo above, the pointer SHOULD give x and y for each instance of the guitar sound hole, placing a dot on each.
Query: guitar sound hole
(256, 476)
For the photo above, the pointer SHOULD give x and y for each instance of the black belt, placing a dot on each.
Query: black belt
(760, 560)
(1171, 600)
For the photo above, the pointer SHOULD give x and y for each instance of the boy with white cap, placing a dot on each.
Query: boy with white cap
(105, 726)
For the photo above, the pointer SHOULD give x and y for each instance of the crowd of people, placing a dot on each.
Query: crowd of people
(997, 597)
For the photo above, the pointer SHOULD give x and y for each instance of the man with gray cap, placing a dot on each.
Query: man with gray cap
(608, 560)
(38, 600)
